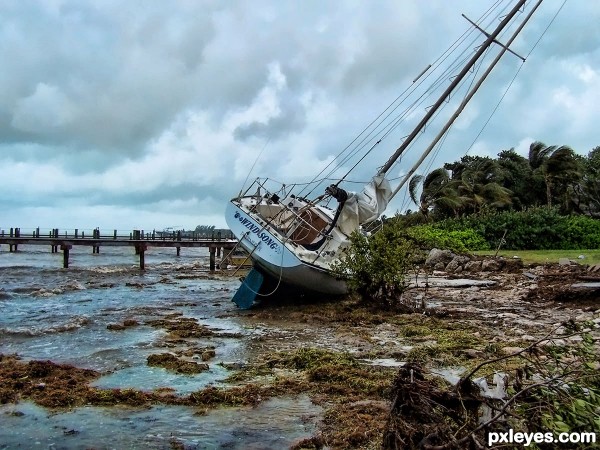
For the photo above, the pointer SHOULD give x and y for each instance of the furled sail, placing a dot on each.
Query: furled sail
(366, 206)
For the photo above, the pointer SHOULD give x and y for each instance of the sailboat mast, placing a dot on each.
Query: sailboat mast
(466, 100)
(491, 38)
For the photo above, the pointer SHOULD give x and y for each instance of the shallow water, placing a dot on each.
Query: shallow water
(51, 313)
(274, 424)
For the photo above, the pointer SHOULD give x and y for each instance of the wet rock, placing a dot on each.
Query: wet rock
(208, 354)
(491, 265)
(457, 263)
(473, 266)
(440, 267)
(115, 327)
(171, 362)
(232, 365)
(437, 256)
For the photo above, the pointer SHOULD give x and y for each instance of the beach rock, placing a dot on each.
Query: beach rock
(457, 263)
(171, 362)
(208, 354)
(510, 350)
(491, 265)
(232, 365)
(473, 353)
(437, 256)
(473, 266)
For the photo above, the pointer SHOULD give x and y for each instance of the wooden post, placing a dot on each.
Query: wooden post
(212, 250)
(178, 250)
(65, 248)
(218, 252)
(141, 250)
(37, 232)
(115, 234)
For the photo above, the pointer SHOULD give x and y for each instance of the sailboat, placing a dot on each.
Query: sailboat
(294, 238)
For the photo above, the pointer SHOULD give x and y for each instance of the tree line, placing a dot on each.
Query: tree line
(551, 176)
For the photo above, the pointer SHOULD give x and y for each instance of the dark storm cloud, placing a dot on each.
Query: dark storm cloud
(107, 104)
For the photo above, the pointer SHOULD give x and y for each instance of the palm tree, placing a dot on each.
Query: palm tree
(437, 191)
(479, 186)
(556, 164)
(586, 194)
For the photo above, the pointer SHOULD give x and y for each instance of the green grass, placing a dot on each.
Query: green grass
(547, 256)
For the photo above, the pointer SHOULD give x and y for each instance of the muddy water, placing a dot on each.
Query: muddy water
(66, 316)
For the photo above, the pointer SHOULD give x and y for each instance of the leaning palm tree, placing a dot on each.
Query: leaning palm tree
(556, 164)
(437, 190)
(478, 185)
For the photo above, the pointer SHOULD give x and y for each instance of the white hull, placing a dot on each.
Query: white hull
(277, 259)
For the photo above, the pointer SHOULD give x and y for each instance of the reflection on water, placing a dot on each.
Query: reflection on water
(274, 424)
(68, 316)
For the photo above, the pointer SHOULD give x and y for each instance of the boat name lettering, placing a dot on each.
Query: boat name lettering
(268, 240)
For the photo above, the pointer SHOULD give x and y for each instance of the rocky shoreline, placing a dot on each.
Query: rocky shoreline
(343, 354)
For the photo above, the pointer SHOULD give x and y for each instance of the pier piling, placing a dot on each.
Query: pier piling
(212, 249)
(66, 249)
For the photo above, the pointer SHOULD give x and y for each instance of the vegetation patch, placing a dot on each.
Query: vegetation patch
(175, 364)
(44, 382)
(183, 327)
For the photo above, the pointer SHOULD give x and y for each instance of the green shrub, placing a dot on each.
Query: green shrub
(533, 229)
(459, 241)
(376, 267)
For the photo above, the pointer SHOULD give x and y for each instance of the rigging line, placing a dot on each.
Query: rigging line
(546, 29)
(515, 76)
(495, 109)
(358, 162)
(474, 90)
(442, 58)
(451, 87)
(437, 83)
(252, 168)
(394, 124)
(443, 140)
(434, 117)
(439, 146)
(361, 133)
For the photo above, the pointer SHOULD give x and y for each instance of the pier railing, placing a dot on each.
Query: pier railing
(96, 233)
(216, 242)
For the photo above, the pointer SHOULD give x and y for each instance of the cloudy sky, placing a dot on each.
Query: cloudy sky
(124, 114)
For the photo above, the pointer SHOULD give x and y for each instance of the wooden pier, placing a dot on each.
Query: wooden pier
(140, 241)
